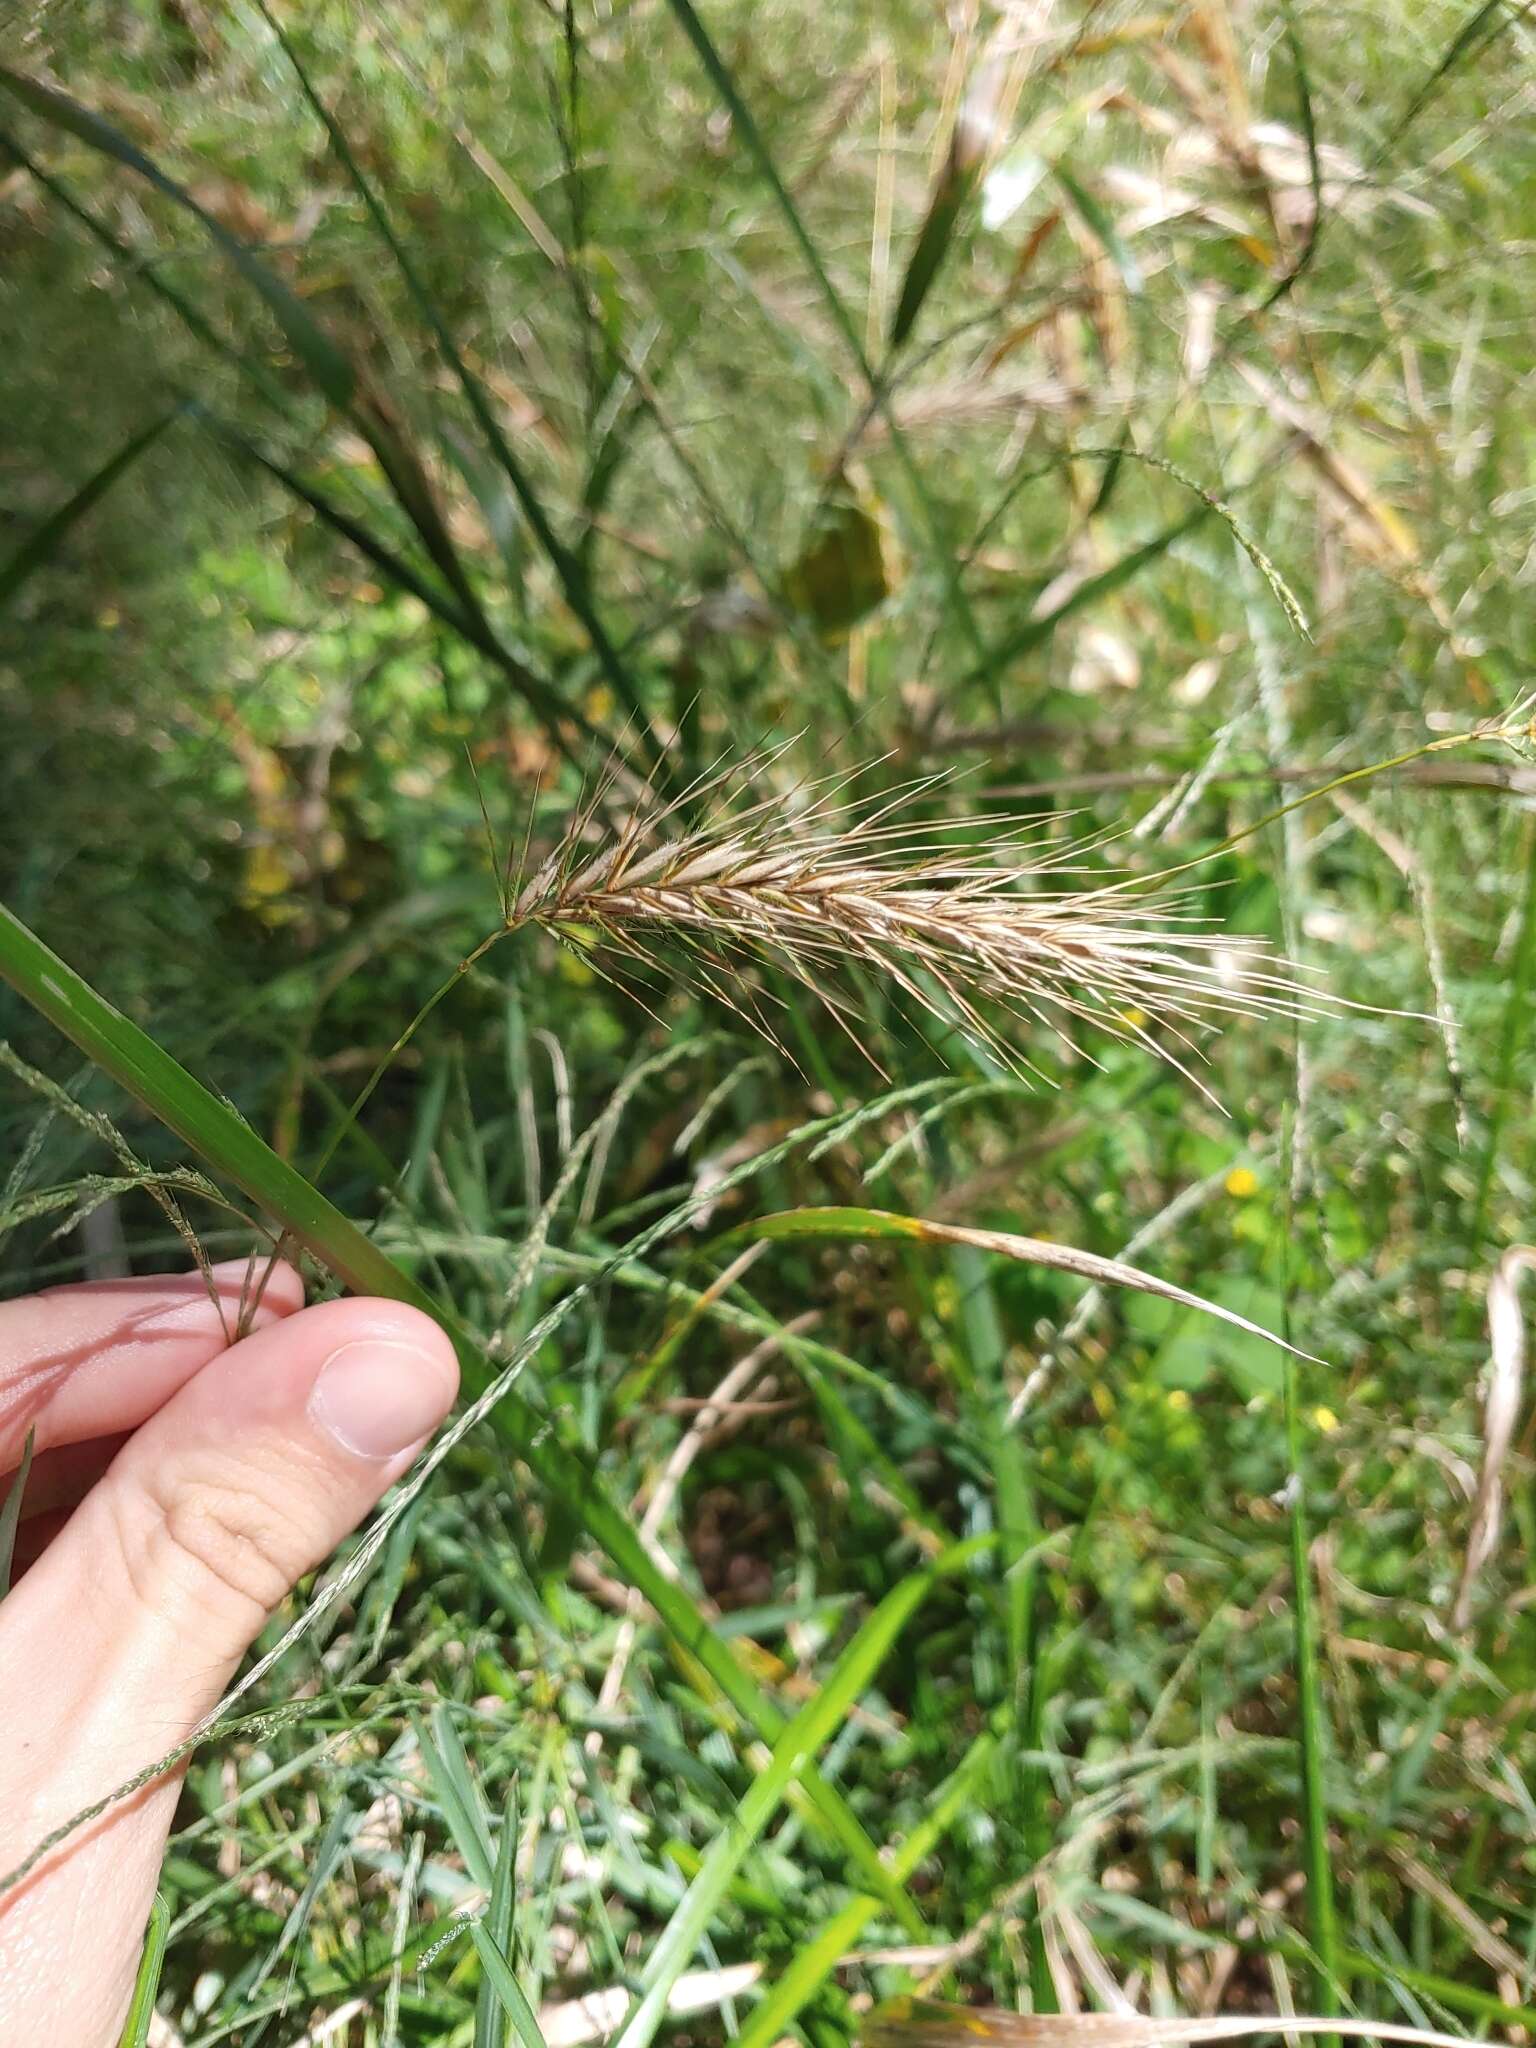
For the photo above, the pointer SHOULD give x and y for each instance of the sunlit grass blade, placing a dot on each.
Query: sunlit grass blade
(790, 1993)
(872, 1225)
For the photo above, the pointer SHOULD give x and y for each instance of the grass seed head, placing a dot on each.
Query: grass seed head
(969, 919)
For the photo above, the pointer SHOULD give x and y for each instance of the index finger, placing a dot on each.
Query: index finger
(97, 1359)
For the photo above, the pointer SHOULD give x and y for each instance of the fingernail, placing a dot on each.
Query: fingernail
(377, 1398)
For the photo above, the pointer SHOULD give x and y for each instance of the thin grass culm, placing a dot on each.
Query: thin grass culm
(966, 916)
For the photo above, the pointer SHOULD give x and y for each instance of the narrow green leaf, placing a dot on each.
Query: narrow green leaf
(39, 547)
(321, 357)
(141, 2009)
(1036, 631)
(322, 1868)
(142, 273)
(454, 1786)
(539, 694)
(791, 1993)
(10, 1513)
(951, 193)
(870, 1225)
(493, 1934)
(1308, 119)
(1102, 228)
(812, 1965)
(1482, 24)
(498, 1975)
(815, 1723)
(567, 566)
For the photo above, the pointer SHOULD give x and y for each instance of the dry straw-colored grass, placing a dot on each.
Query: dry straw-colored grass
(967, 917)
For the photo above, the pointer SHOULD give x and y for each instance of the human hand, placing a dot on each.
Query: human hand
(180, 1486)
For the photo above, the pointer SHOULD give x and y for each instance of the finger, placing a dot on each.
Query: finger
(86, 1361)
(122, 1636)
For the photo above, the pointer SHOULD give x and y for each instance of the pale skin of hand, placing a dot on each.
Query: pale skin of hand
(181, 1484)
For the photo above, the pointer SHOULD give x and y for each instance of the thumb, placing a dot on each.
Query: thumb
(251, 1476)
(123, 1635)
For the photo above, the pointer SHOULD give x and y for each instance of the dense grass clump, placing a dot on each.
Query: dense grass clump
(828, 707)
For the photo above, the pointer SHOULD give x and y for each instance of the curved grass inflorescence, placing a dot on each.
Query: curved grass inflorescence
(966, 916)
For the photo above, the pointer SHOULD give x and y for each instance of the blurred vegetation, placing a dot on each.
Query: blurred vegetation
(622, 461)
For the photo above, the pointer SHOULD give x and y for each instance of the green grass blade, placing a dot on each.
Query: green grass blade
(39, 547)
(792, 1992)
(453, 1782)
(805, 1976)
(813, 1726)
(951, 194)
(567, 566)
(1034, 632)
(1481, 25)
(140, 273)
(221, 1137)
(1102, 228)
(10, 1512)
(499, 1977)
(326, 363)
(746, 127)
(1307, 117)
(1321, 1907)
(141, 2009)
(539, 694)
(493, 1939)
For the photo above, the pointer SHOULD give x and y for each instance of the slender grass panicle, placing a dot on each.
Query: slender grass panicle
(965, 915)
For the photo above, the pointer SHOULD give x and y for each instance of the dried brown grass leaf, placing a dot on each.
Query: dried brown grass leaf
(1501, 1411)
(921, 2023)
(1036, 1251)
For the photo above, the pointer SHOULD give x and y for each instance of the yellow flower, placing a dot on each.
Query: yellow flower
(1241, 1181)
(1325, 1419)
(1178, 1400)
